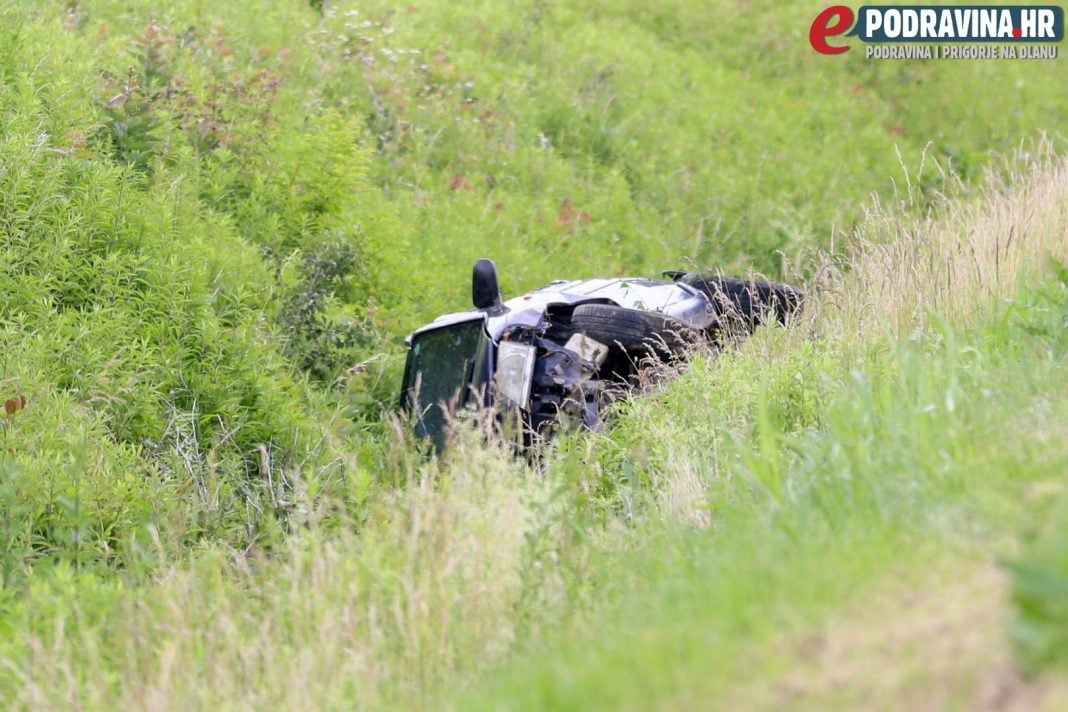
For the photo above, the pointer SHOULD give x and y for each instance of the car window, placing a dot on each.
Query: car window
(440, 365)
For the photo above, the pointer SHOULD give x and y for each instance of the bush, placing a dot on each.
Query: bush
(134, 319)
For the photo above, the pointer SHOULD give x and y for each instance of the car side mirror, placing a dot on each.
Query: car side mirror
(485, 289)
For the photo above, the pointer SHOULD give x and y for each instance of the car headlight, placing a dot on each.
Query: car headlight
(515, 371)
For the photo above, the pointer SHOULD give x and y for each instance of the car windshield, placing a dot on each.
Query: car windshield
(440, 364)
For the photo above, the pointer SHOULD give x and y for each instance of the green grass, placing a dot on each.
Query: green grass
(217, 221)
(811, 520)
(842, 486)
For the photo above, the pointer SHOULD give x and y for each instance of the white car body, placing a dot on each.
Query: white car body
(680, 301)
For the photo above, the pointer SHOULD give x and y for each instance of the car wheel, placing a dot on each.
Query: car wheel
(632, 330)
(747, 302)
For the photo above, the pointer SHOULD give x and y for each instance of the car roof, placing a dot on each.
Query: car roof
(528, 309)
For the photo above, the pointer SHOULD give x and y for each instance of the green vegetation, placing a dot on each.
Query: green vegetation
(218, 219)
(1041, 575)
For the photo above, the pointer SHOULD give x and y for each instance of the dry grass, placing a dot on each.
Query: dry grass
(932, 644)
(958, 261)
(427, 588)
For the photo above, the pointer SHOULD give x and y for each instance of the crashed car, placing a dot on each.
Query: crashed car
(555, 357)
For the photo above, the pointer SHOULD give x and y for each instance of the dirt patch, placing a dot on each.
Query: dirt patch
(937, 646)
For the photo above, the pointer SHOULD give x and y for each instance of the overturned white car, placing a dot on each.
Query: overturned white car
(559, 353)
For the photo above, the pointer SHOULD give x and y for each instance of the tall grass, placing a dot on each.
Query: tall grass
(850, 473)
(748, 501)
(960, 262)
(429, 588)
(217, 219)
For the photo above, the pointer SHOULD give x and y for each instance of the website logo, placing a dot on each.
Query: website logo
(939, 25)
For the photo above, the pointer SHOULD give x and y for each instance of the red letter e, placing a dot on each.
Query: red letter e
(821, 28)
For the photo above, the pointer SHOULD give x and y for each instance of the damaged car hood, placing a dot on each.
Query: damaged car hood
(680, 301)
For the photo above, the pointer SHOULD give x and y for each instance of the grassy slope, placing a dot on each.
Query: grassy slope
(694, 551)
(615, 136)
(826, 533)
(853, 500)
(754, 603)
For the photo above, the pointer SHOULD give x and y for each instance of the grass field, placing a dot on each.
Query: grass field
(218, 220)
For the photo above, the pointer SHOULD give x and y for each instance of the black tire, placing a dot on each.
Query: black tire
(747, 302)
(632, 330)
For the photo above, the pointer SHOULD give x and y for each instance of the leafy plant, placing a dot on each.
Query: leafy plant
(321, 345)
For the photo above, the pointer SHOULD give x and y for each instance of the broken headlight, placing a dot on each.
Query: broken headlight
(515, 370)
